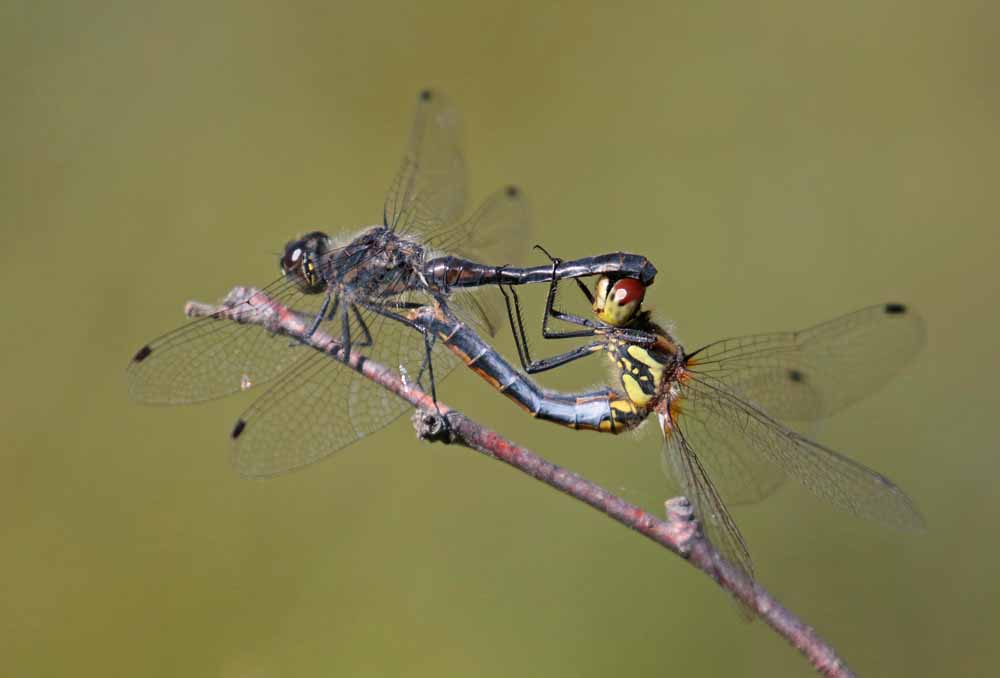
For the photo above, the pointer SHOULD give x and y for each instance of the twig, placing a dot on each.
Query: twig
(680, 533)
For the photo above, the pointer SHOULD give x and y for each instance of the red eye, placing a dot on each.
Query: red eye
(627, 290)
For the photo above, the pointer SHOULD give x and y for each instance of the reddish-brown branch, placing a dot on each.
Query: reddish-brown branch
(680, 533)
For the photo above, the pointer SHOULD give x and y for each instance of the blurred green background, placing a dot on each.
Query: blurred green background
(781, 163)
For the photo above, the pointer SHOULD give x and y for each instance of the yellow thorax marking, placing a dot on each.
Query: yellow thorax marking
(644, 357)
(636, 364)
(634, 391)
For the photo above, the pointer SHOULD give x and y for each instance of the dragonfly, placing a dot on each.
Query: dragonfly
(360, 289)
(724, 410)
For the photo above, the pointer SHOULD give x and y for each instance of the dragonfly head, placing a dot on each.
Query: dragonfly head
(617, 302)
(300, 261)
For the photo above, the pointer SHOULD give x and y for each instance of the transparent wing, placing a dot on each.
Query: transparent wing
(481, 308)
(428, 197)
(323, 405)
(429, 191)
(735, 437)
(741, 475)
(208, 358)
(497, 233)
(813, 373)
(681, 461)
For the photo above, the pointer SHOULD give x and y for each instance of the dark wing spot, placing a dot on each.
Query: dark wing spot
(895, 309)
(238, 429)
(796, 376)
(142, 354)
(426, 94)
(513, 191)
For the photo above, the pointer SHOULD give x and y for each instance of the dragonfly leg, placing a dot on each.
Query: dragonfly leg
(521, 341)
(321, 315)
(516, 327)
(552, 312)
(428, 363)
(367, 341)
(563, 358)
(345, 335)
(333, 311)
(555, 263)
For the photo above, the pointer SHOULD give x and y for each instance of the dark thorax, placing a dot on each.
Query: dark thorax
(377, 264)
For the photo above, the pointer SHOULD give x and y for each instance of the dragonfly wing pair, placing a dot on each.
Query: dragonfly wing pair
(724, 441)
(427, 201)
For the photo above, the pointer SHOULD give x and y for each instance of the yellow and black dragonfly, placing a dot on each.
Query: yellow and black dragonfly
(721, 408)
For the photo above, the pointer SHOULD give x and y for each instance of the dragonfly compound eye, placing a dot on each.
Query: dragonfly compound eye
(300, 262)
(621, 302)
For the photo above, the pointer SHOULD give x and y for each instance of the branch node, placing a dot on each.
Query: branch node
(433, 427)
(684, 525)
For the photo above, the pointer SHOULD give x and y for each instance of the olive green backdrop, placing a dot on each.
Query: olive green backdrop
(781, 164)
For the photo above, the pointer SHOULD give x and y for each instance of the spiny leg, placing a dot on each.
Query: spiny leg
(521, 341)
(321, 314)
(516, 320)
(428, 363)
(516, 327)
(579, 283)
(552, 312)
(345, 334)
(367, 341)
(336, 304)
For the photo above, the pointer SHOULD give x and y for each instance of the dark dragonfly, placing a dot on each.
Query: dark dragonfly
(726, 410)
(359, 290)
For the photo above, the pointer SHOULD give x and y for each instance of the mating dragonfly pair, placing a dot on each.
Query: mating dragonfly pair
(414, 294)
